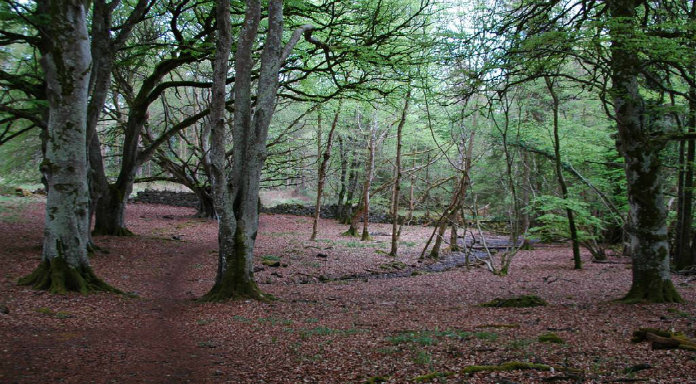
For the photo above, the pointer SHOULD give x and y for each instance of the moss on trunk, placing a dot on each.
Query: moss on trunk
(652, 290)
(57, 276)
(237, 282)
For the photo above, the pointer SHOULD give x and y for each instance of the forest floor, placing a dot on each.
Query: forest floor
(340, 316)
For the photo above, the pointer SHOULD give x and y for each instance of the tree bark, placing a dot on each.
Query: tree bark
(237, 193)
(352, 188)
(572, 229)
(109, 214)
(370, 167)
(684, 254)
(321, 173)
(66, 62)
(396, 192)
(456, 204)
(344, 172)
(646, 225)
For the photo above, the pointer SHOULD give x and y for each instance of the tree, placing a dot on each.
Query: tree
(321, 172)
(559, 173)
(396, 191)
(236, 193)
(66, 62)
(626, 57)
(637, 126)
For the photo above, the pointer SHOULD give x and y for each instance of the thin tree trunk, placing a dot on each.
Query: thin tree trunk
(321, 176)
(559, 174)
(352, 189)
(370, 166)
(344, 173)
(684, 254)
(397, 181)
(458, 195)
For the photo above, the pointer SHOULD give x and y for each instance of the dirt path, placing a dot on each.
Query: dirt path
(163, 351)
(105, 338)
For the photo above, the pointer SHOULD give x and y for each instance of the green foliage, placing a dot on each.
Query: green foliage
(21, 158)
(553, 223)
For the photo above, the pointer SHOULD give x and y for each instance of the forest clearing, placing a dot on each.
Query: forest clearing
(323, 326)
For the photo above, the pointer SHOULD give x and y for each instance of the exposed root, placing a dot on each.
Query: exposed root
(56, 276)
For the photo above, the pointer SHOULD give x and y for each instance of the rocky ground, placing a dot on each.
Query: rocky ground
(345, 312)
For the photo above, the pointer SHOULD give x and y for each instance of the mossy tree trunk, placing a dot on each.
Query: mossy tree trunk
(347, 211)
(344, 172)
(637, 127)
(236, 193)
(66, 62)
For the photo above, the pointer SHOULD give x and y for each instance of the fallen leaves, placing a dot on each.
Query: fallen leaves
(342, 317)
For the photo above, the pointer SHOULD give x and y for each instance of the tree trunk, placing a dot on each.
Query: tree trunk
(646, 225)
(344, 173)
(559, 174)
(683, 252)
(370, 166)
(396, 192)
(321, 176)
(206, 204)
(352, 188)
(237, 194)
(66, 62)
(458, 194)
(104, 47)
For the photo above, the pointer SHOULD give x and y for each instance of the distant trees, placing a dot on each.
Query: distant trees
(617, 49)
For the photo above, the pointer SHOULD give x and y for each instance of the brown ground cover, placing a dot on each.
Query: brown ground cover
(323, 327)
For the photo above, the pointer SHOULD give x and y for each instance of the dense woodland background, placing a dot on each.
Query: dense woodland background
(548, 120)
(470, 159)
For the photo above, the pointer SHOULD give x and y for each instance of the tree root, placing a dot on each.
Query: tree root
(56, 276)
(230, 292)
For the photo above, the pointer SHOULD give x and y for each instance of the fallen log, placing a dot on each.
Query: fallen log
(661, 339)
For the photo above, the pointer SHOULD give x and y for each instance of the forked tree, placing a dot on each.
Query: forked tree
(236, 193)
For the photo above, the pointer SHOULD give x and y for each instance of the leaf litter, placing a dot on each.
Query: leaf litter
(336, 320)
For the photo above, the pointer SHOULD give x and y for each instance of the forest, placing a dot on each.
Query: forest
(330, 191)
